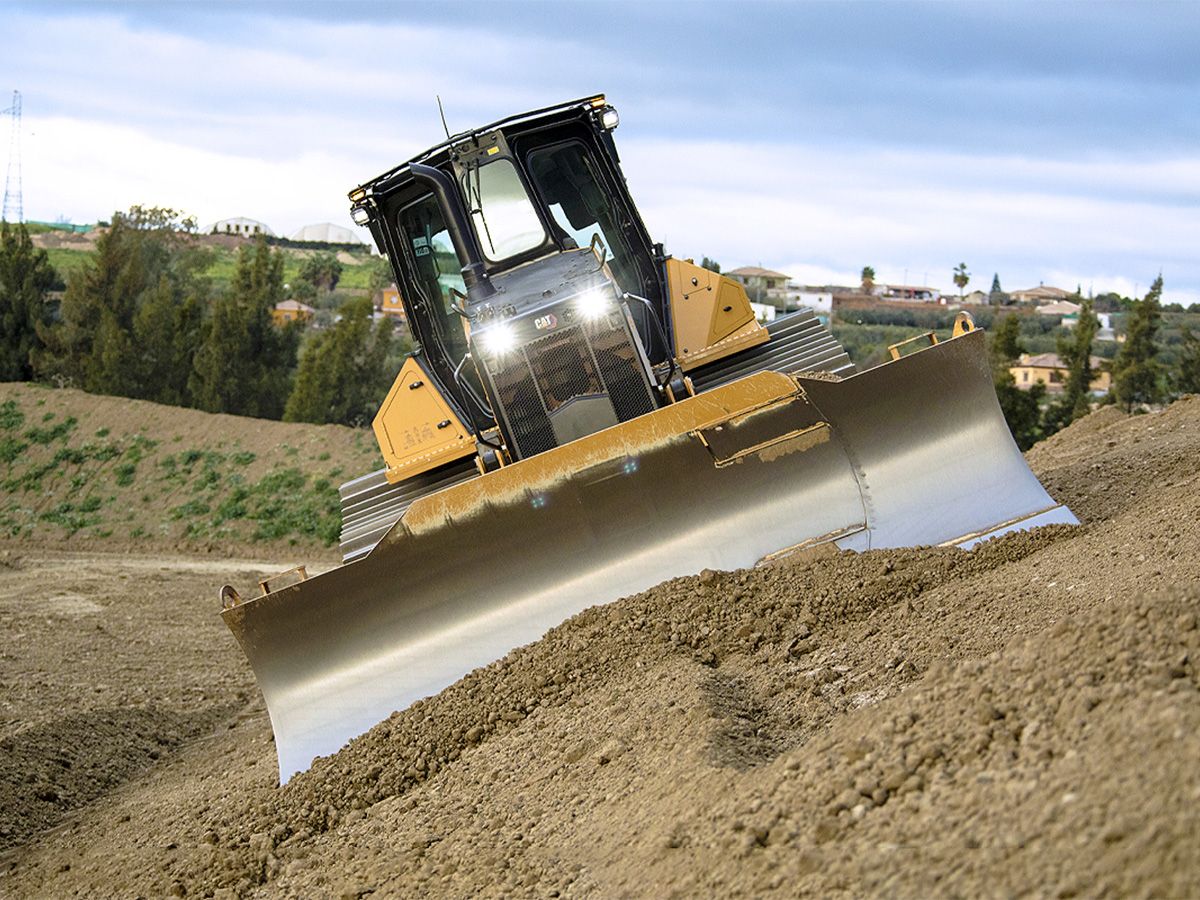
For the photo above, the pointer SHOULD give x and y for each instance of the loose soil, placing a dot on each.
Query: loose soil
(1021, 719)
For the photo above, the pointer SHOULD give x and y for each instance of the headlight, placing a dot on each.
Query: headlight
(593, 304)
(498, 339)
(361, 215)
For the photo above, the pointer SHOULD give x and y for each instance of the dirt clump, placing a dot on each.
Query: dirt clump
(1020, 719)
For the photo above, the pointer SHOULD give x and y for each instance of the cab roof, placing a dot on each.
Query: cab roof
(439, 153)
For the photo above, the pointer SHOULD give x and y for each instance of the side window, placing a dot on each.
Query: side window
(566, 179)
(437, 269)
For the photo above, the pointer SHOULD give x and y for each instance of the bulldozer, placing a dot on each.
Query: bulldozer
(584, 417)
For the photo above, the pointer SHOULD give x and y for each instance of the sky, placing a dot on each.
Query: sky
(1047, 143)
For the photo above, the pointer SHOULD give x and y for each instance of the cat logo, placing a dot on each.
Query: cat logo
(546, 322)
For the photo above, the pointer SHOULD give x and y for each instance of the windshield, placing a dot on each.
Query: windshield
(501, 212)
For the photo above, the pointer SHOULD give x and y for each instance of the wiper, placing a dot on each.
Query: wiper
(476, 199)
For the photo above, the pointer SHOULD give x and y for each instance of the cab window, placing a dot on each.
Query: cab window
(504, 218)
(565, 177)
(436, 268)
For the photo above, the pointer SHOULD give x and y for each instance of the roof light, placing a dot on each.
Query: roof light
(609, 120)
(360, 214)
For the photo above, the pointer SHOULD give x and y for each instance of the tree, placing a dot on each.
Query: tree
(1137, 373)
(1187, 380)
(322, 270)
(961, 278)
(711, 264)
(996, 296)
(1021, 408)
(1075, 351)
(868, 279)
(1006, 347)
(244, 363)
(379, 273)
(128, 316)
(343, 374)
(25, 278)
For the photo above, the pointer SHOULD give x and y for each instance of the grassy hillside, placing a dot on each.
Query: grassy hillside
(76, 467)
(68, 252)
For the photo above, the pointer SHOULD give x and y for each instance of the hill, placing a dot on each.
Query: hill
(69, 251)
(81, 470)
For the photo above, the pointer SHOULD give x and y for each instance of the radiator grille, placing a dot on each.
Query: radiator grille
(576, 360)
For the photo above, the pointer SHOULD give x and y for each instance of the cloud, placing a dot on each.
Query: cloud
(807, 137)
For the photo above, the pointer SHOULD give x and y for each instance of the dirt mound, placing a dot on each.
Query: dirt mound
(1020, 719)
(85, 470)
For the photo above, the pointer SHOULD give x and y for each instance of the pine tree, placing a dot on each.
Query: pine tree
(996, 296)
(1187, 380)
(1021, 408)
(343, 375)
(711, 264)
(1076, 354)
(25, 278)
(244, 363)
(868, 279)
(128, 316)
(1137, 373)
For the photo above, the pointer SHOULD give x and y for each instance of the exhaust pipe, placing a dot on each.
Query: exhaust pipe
(461, 235)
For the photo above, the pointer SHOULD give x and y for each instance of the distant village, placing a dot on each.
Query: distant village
(771, 294)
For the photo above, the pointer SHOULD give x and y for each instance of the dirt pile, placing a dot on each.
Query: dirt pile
(1024, 718)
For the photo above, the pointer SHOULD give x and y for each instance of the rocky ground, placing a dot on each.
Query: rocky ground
(1021, 719)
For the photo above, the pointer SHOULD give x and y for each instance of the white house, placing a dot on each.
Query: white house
(326, 232)
(240, 225)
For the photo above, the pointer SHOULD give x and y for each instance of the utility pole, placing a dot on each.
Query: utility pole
(12, 186)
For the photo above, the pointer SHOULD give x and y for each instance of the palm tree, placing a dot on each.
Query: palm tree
(961, 278)
(868, 279)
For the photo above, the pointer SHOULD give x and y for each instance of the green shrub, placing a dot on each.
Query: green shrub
(191, 509)
(11, 448)
(53, 433)
(11, 418)
(125, 473)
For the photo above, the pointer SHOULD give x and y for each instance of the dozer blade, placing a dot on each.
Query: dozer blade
(913, 452)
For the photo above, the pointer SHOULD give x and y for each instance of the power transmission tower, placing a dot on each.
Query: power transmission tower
(12, 186)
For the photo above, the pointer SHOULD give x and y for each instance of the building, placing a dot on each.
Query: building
(907, 292)
(1040, 294)
(1050, 370)
(818, 299)
(292, 311)
(240, 225)
(762, 285)
(764, 312)
(391, 305)
(1059, 308)
(977, 298)
(325, 233)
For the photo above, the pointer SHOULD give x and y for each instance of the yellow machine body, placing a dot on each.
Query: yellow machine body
(416, 429)
(711, 315)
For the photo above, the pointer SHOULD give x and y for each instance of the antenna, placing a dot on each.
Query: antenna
(12, 194)
(442, 113)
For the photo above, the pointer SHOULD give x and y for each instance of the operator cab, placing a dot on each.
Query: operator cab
(529, 279)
